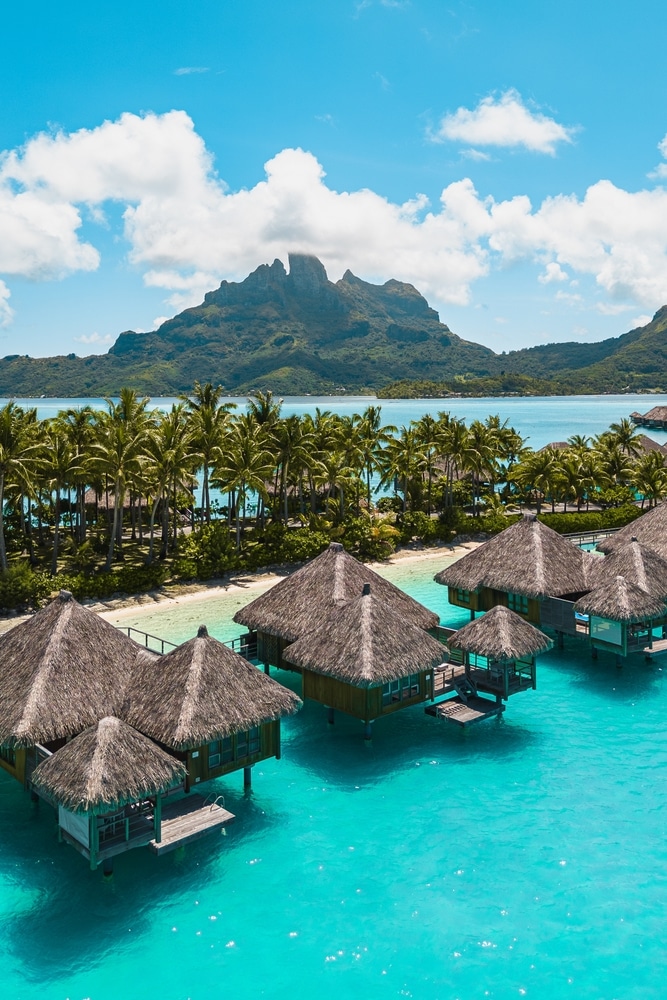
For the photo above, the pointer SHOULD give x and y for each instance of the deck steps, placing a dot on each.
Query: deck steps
(659, 646)
(464, 713)
(188, 819)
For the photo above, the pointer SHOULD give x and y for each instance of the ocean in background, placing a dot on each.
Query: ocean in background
(540, 418)
(525, 857)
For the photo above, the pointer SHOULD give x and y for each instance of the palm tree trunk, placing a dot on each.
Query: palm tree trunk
(114, 527)
(56, 535)
(3, 549)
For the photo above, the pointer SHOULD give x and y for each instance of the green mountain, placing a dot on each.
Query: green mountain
(298, 332)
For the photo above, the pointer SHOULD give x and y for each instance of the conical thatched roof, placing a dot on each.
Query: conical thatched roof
(365, 643)
(203, 691)
(105, 767)
(61, 671)
(527, 558)
(500, 634)
(621, 601)
(650, 529)
(298, 604)
(637, 564)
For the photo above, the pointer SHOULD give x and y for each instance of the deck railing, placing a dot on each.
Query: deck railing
(244, 645)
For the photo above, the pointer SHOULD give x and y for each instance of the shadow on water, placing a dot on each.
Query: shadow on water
(635, 678)
(339, 755)
(66, 918)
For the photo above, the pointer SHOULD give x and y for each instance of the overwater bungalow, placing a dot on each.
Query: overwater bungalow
(621, 616)
(107, 785)
(366, 660)
(61, 671)
(298, 604)
(655, 417)
(209, 707)
(650, 529)
(524, 568)
(498, 651)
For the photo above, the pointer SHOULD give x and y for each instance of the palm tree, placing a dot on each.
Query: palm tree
(210, 418)
(79, 425)
(171, 460)
(16, 452)
(59, 467)
(371, 438)
(649, 477)
(243, 463)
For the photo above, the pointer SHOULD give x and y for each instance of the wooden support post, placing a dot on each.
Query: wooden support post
(619, 660)
(93, 841)
(247, 778)
(559, 639)
(157, 819)
(267, 669)
(368, 731)
(34, 797)
(330, 716)
(594, 652)
(472, 615)
(107, 868)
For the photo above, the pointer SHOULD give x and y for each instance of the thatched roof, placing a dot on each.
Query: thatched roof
(528, 558)
(637, 564)
(61, 671)
(621, 601)
(106, 767)
(203, 691)
(500, 634)
(650, 529)
(656, 413)
(366, 642)
(107, 498)
(298, 604)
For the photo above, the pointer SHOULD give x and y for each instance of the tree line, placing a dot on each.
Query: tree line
(92, 481)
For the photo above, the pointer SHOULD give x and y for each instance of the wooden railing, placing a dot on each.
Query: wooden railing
(244, 645)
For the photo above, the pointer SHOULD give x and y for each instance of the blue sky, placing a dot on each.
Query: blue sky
(510, 160)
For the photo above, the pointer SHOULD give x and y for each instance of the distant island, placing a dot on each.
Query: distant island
(296, 332)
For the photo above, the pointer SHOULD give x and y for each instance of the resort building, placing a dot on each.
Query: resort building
(366, 660)
(655, 417)
(298, 605)
(173, 721)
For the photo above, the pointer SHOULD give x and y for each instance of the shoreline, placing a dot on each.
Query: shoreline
(185, 593)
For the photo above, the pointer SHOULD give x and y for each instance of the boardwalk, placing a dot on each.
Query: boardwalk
(189, 819)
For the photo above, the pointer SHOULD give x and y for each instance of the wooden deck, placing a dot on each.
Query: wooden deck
(187, 820)
(465, 713)
(659, 646)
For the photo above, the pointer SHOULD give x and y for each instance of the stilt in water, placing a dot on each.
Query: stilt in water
(330, 716)
(619, 660)
(472, 615)
(594, 652)
(559, 639)
(247, 778)
(267, 669)
(107, 868)
(368, 731)
(34, 797)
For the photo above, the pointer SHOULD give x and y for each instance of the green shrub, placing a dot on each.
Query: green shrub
(206, 553)
(613, 517)
(21, 586)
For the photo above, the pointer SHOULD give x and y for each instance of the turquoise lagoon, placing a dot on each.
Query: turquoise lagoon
(540, 418)
(525, 857)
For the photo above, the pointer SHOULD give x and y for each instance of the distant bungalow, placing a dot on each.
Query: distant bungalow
(655, 417)
(614, 603)
(177, 720)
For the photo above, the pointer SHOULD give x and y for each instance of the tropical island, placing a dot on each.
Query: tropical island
(124, 499)
(295, 331)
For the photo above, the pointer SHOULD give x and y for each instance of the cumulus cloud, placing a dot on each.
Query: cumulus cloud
(503, 121)
(185, 230)
(6, 311)
(660, 172)
(95, 338)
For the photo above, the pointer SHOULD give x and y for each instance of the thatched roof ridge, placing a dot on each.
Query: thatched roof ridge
(500, 634)
(656, 413)
(297, 605)
(637, 564)
(61, 671)
(105, 767)
(203, 691)
(650, 529)
(366, 642)
(528, 558)
(621, 601)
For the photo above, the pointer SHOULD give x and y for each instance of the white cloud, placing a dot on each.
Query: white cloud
(158, 321)
(95, 338)
(503, 121)
(660, 172)
(569, 298)
(552, 272)
(185, 230)
(6, 311)
(475, 154)
(640, 321)
(188, 70)
(612, 308)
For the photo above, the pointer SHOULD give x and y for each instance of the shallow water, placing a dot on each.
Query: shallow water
(520, 857)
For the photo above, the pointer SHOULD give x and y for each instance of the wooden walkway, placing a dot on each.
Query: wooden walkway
(659, 646)
(187, 820)
(465, 713)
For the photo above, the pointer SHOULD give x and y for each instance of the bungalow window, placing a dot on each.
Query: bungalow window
(227, 750)
(253, 740)
(463, 596)
(241, 745)
(8, 754)
(518, 603)
(214, 754)
(401, 689)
